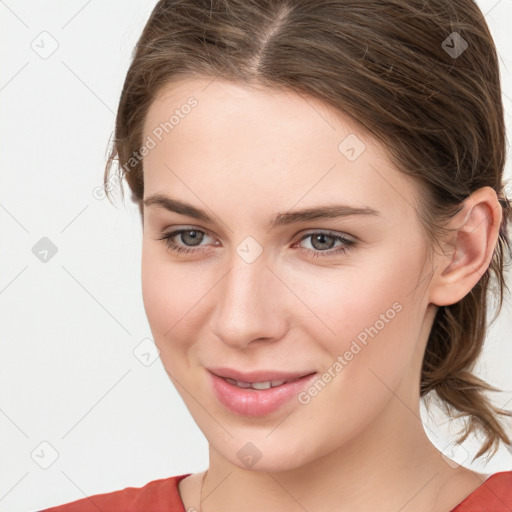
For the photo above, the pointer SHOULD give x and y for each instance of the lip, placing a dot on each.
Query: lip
(257, 376)
(255, 403)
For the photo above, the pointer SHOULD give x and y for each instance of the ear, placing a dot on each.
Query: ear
(468, 250)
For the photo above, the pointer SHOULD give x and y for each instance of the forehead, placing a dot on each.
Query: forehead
(216, 135)
(221, 106)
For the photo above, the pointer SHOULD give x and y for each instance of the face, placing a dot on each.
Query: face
(339, 296)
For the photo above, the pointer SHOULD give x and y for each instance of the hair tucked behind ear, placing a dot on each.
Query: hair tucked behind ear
(456, 341)
(399, 68)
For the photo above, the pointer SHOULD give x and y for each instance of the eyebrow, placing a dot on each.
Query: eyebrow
(284, 218)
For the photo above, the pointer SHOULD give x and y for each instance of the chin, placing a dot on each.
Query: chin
(261, 454)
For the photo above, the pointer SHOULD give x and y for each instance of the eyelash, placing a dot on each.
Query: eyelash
(348, 244)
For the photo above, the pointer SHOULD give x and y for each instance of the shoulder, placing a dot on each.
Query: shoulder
(161, 495)
(494, 495)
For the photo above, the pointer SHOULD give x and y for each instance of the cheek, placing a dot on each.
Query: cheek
(176, 300)
(351, 301)
(168, 294)
(376, 325)
(373, 317)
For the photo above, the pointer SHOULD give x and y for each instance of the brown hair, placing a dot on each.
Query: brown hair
(396, 68)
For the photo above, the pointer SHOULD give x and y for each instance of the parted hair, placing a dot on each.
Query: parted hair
(421, 76)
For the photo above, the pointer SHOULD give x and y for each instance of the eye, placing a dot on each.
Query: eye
(322, 242)
(190, 236)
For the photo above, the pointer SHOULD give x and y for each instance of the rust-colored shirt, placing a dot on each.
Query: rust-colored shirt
(494, 495)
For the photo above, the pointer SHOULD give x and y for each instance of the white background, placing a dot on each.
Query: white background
(68, 375)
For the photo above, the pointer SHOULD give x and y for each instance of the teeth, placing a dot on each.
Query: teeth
(261, 385)
(239, 384)
(256, 385)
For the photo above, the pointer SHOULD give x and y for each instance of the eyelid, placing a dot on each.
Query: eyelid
(329, 232)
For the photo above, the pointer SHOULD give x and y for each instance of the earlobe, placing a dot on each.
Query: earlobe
(468, 250)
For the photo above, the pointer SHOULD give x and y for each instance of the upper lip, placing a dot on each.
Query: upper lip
(258, 375)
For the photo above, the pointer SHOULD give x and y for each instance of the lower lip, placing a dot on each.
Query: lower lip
(253, 402)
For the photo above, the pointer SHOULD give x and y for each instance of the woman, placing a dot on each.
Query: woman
(321, 188)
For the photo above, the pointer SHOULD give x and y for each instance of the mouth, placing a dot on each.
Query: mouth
(257, 393)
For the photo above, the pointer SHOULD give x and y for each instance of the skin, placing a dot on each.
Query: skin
(244, 154)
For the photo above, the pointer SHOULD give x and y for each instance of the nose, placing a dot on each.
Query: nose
(251, 304)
